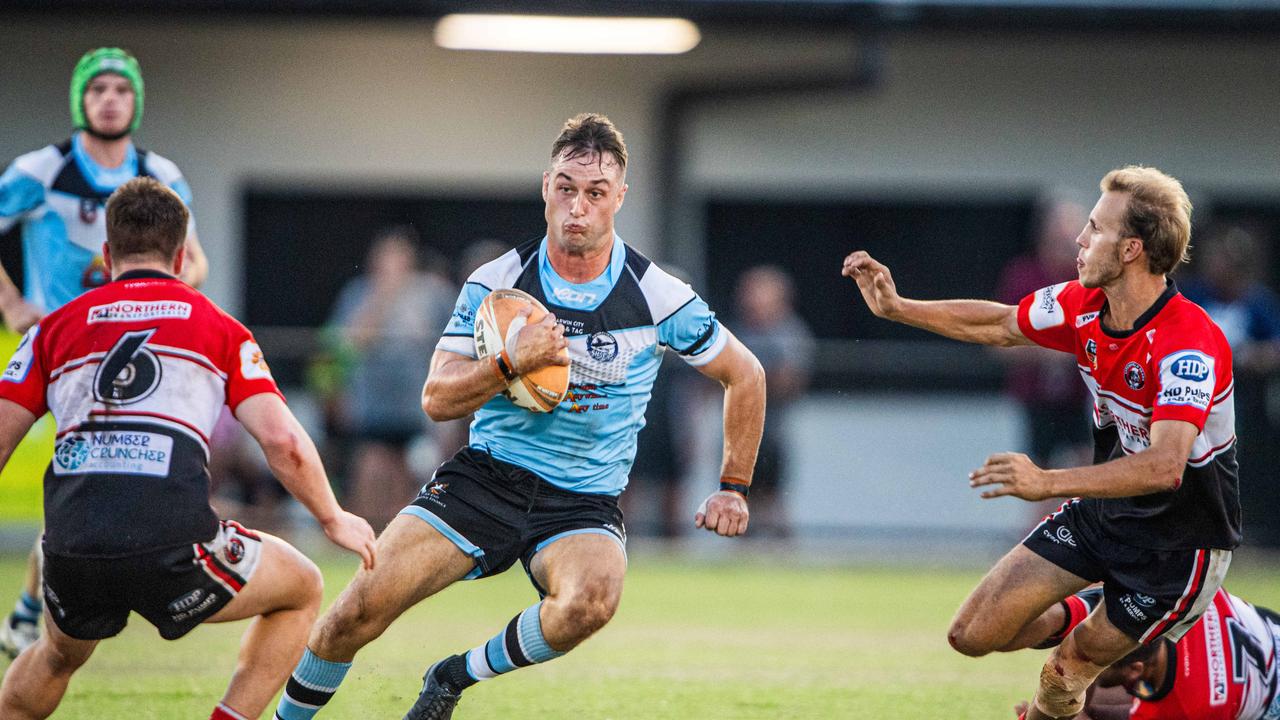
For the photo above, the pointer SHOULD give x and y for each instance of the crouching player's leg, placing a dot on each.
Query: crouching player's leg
(1149, 594)
(283, 598)
(580, 575)
(1075, 664)
(38, 678)
(238, 574)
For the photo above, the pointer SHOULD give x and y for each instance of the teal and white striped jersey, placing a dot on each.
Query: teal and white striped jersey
(59, 195)
(618, 327)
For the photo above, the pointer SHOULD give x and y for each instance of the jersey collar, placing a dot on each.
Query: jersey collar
(1170, 289)
(581, 296)
(104, 179)
(144, 275)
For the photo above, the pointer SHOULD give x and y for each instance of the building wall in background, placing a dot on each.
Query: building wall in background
(375, 104)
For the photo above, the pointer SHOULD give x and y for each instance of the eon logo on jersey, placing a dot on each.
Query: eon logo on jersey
(1186, 378)
(577, 297)
(129, 372)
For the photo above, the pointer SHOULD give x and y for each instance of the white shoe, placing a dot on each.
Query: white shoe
(17, 635)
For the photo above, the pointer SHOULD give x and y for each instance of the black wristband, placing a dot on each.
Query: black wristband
(742, 489)
(505, 367)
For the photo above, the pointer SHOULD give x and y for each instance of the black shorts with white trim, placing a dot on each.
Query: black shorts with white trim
(1148, 593)
(175, 589)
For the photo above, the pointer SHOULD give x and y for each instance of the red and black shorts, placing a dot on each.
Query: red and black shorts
(175, 589)
(1149, 594)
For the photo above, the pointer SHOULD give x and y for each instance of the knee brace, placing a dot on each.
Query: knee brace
(1062, 688)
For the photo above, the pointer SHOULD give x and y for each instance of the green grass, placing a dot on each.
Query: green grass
(745, 639)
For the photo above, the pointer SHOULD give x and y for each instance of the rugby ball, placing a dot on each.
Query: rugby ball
(497, 325)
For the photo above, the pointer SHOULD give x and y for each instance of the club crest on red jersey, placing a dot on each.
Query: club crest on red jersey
(1134, 376)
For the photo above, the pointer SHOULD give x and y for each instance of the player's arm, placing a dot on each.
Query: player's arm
(19, 193)
(738, 370)
(458, 385)
(292, 456)
(19, 315)
(15, 421)
(1159, 468)
(195, 268)
(975, 321)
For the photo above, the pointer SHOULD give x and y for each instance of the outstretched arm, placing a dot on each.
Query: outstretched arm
(975, 321)
(738, 370)
(293, 458)
(1159, 468)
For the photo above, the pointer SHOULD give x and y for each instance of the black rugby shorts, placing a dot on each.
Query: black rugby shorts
(174, 589)
(1149, 594)
(498, 513)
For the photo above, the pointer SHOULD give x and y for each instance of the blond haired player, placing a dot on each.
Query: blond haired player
(1156, 518)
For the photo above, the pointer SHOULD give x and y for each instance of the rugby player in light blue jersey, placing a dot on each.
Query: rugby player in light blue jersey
(542, 489)
(58, 194)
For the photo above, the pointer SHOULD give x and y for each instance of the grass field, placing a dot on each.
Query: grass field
(750, 639)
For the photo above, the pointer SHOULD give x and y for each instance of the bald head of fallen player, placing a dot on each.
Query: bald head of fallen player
(146, 224)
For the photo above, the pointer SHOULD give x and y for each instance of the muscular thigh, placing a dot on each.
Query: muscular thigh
(1020, 587)
(582, 562)
(414, 562)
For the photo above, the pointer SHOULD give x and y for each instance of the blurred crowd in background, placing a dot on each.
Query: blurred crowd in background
(374, 350)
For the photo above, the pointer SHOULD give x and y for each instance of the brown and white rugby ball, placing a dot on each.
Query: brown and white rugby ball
(497, 325)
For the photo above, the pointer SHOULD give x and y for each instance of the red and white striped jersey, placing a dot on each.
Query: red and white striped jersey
(135, 374)
(1174, 364)
(1225, 667)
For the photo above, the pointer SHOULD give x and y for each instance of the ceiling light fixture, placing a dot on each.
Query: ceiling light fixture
(558, 34)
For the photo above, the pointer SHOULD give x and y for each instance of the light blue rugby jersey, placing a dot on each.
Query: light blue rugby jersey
(59, 195)
(618, 326)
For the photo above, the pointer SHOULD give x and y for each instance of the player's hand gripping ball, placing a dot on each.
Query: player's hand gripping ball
(498, 324)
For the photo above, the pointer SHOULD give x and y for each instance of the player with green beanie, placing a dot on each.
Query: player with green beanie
(57, 194)
(95, 63)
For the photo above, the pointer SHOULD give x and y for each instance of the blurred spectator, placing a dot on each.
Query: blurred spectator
(1229, 286)
(1044, 382)
(385, 324)
(1229, 264)
(768, 325)
(241, 483)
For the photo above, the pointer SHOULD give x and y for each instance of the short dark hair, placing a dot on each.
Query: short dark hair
(590, 134)
(146, 217)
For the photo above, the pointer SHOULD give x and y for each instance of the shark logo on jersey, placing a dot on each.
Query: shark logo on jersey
(602, 346)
